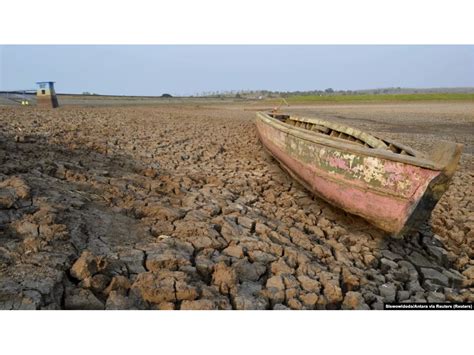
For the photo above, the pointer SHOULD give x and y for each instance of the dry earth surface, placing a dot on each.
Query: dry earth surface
(177, 206)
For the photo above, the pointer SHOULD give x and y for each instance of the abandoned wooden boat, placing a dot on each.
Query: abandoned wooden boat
(390, 185)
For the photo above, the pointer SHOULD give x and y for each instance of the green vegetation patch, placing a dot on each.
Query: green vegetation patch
(380, 98)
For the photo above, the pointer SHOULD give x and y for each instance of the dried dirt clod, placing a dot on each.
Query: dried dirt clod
(96, 283)
(387, 265)
(261, 228)
(7, 198)
(354, 300)
(332, 292)
(275, 282)
(350, 282)
(133, 259)
(155, 288)
(418, 259)
(280, 307)
(290, 281)
(118, 301)
(87, 265)
(185, 291)
(435, 276)
(212, 293)
(403, 295)
(281, 267)
(261, 256)
(224, 277)
(292, 292)
(388, 292)
(246, 222)
(436, 297)
(309, 300)
(13, 189)
(27, 229)
(119, 284)
(170, 254)
(82, 299)
(309, 284)
(300, 238)
(331, 289)
(247, 271)
(199, 305)
(235, 251)
(249, 296)
(294, 304)
(370, 260)
(166, 306)
(469, 273)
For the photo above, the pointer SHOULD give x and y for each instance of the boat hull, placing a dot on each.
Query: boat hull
(389, 194)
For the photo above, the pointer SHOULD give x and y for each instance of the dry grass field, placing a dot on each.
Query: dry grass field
(175, 205)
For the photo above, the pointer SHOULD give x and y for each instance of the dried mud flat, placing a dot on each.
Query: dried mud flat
(178, 207)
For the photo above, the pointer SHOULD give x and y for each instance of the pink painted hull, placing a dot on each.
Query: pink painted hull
(382, 191)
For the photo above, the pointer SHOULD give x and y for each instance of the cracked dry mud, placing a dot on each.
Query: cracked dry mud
(179, 207)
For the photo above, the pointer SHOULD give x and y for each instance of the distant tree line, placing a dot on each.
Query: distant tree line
(255, 94)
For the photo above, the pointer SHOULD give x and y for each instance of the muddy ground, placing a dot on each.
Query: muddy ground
(177, 206)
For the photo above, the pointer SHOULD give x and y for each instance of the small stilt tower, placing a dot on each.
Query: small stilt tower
(46, 96)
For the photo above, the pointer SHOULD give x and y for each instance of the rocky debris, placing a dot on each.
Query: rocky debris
(309, 300)
(387, 254)
(198, 305)
(435, 276)
(82, 299)
(275, 282)
(331, 289)
(246, 222)
(387, 265)
(280, 307)
(406, 272)
(247, 271)
(354, 300)
(235, 251)
(261, 229)
(96, 283)
(436, 297)
(469, 273)
(117, 301)
(118, 285)
(224, 277)
(11, 298)
(281, 267)
(309, 284)
(419, 260)
(388, 292)
(212, 293)
(350, 281)
(133, 260)
(456, 279)
(403, 295)
(87, 266)
(119, 208)
(164, 286)
(168, 253)
(249, 296)
(14, 191)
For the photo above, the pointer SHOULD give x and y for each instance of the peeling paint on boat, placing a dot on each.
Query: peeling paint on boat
(379, 188)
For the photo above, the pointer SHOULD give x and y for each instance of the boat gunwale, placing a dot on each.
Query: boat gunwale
(318, 138)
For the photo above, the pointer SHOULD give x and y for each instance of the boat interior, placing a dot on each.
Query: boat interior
(348, 134)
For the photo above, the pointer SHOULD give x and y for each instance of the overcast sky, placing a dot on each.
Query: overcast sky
(187, 70)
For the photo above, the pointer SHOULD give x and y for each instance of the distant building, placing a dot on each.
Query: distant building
(46, 96)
